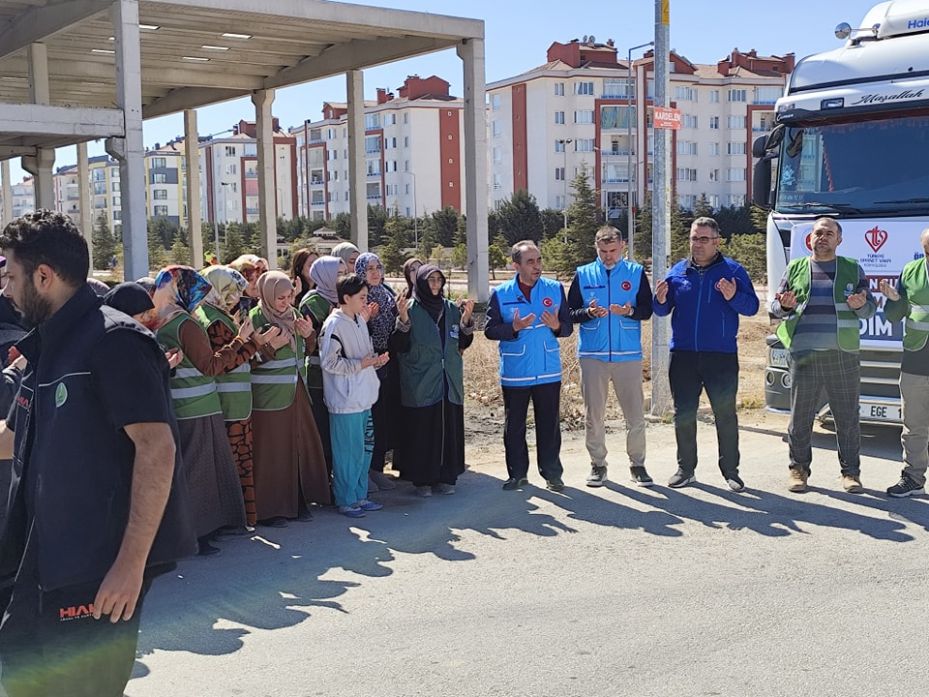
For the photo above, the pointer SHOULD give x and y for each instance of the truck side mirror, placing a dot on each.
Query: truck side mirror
(761, 183)
(759, 147)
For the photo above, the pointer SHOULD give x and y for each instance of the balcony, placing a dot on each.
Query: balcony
(615, 179)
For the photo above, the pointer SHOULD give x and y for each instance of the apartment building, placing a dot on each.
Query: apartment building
(22, 195)
(414, 154)
(229, 175)
(580, 109)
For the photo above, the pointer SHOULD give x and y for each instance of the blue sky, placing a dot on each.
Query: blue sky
(518, 33)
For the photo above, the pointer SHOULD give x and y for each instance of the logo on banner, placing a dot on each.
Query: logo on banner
(808, 241)
(875, 237)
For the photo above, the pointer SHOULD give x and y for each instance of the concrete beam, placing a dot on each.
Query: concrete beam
(471, 53)
(8, 152)
(267, 222)
(85, 206)
(355, 54)
(188, 98)
(44, 159)
(357, 172)
(44, 120)
(192, 155)
(43, 21)
(6, 194)
(40, 165)
(125, 17)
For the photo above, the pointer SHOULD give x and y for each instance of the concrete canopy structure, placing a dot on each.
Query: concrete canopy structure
(79, 70)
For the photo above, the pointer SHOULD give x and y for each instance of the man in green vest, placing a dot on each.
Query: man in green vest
(820, 300)
(910, 300)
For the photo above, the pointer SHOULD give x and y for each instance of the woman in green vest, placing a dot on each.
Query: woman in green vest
(234, 385)
(212, 480)
(432, 384)
(290, 467)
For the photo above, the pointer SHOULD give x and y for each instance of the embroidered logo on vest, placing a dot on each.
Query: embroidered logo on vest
(61, 394)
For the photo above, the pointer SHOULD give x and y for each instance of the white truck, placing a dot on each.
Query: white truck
(851, 140)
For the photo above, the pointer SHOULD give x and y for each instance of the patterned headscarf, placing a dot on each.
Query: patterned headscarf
(270, 286)
(325, 273)
(344, 251)
(383, 324)
(179, 289)
(228, 286)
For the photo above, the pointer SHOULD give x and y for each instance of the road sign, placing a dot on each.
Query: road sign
(666, 117)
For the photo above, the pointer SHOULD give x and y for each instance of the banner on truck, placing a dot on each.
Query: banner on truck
(882, 247)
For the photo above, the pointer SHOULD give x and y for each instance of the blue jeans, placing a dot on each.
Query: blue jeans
(352, 445)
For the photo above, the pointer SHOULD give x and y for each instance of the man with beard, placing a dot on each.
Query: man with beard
(820, 299)
(94, 510)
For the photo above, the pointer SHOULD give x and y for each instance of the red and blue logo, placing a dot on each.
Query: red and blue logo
(626, 285)
(547, 302)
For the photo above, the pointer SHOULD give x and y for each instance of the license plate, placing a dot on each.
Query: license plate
(779, 358)
(881, 412)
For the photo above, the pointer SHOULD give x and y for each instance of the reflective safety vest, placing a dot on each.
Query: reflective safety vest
(799, 278)
(274, 382)
(611, 339)
(235, 387)
(914, 280)
(193, 393)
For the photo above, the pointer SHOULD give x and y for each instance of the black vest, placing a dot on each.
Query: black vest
(79, 468)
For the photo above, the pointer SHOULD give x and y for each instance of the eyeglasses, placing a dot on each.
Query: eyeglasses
(703, 240)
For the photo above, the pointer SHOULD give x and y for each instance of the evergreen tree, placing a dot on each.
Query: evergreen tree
(426, 243)
(519, 218)
(552, 222)
(233, 246)
(180, 252)
(377, 225)
(498, 255)
(759, 219)
(643, 229)
(703, 209)
(460, 256)
(342, 224)
(583, 221)
(680, 234)
(445, 222)
(461, 230)
(104, 243)
(157, 251)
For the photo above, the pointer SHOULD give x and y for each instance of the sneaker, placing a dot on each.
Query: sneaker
(852, 483)
(424, 491)
(382, 481)
(640, 476)
(444, 489)
(372, 485)
(366, 505)
(514, 483)
(735, 482)
(681, 479)
(796, 482)
(554, 484)
(597, 476)
(905, 487)
(351, 511)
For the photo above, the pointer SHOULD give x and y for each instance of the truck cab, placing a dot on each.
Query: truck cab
(851, 141)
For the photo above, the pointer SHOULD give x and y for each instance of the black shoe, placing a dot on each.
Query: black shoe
(304, 515)
(734, 481)
(205, 549)
(274, 522)
(234, 531)
(681, 479)
(905, 487)
(512, 484)
(554, 484)
(640, 476)
(597, 476)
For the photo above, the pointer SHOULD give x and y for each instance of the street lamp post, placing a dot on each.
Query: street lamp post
(225, 216)
(630, 174)
(564, 177)
(415, 212)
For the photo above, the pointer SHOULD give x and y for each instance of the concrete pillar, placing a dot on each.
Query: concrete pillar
(471, 52)
(42, 164)
(129, 150)
(192, 155)
(83, 194)
(267, 225)
(357, 171)
(6, 193)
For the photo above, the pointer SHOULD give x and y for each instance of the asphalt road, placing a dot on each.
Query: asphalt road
(612, 591)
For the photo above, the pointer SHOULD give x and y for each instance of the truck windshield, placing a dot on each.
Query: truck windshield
(871, 167)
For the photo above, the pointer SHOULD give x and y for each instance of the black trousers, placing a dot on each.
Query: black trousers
(50, 644)
(546, 404)
(321, 417)
(690, 373)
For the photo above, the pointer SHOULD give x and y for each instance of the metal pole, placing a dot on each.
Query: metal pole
(630, 171)
(661, 210)
(415, 212)
(564, 179)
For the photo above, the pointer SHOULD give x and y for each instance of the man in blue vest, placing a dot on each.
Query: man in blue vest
(705, 295)
(610, 298)
(94, 510)
(528, 315)
(821, 299)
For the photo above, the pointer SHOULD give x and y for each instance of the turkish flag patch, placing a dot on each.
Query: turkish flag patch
(626, 285)
(547, 302)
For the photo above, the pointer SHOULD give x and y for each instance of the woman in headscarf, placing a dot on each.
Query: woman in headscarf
(348, 253)
(432, 384)
(133, 300)
(234, 384)
(290, 466)
(212, 480)
(410, 267)
(382, 325)
(148, 283)
(251, 267)
(300, 272)
(316, 306)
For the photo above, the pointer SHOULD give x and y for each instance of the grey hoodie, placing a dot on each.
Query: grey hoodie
(347, 387)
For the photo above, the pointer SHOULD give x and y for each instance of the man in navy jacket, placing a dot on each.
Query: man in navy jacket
(705, 295)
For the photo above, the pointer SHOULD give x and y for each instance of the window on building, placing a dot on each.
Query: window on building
(115, 201)
(559, 117)
(159, 178)
(559, 145)
(232, 168)
(559, 174)
(498, 154)
(686, 174)
(498, 181)
(767, 95)
(316, 135)
(735, 174)
(690, 121)
(406, 141)
(373, 191)
(115, 187)
(650, 88)
(616, 89)
(496, 128)
(714, 148)
(714, 175)
(686, 147)
(160, 194)
(372, 144)
(98, 175)
(560, 202)
(685, 94)
(251, 149)
(159, 162)
(736, 122)
(584, 116)
(736, 148)
(230, 151)
(372, 121)
(738, 96)
(616, 117)
(99, 187)
(117, 215)
(160, 211)
(714, 96)
(586, 88)
(584, 145)
(713, 200)
(714, 123)
(737, 200)
(495, 102)
(559, 89)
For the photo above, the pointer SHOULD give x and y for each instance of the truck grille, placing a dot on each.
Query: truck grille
(880, 373)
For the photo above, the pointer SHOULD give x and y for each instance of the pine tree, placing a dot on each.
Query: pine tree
(680, 234)
(583, 221)
(519, 218)
(104, 243)
(703, 209)
(180, 252)
(497, 255)
(643, 229)
(233, 245)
